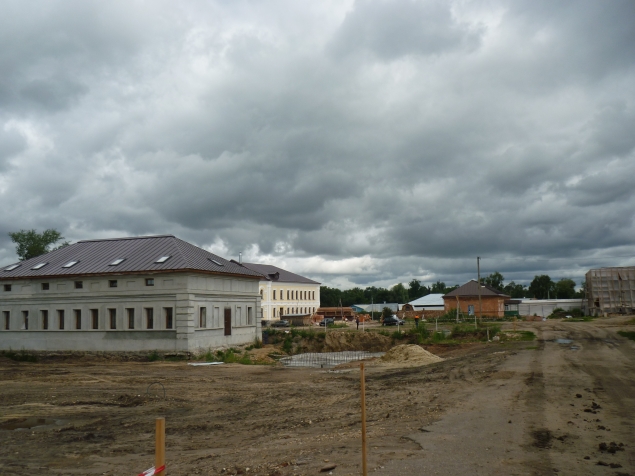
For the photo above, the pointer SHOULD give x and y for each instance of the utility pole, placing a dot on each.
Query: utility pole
(480, 307)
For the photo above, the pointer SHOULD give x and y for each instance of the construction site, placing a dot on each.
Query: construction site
(610, 290)
(543, 398)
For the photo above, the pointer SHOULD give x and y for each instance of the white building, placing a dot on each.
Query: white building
(544, 307)
(431, 302)
(285, 293)
(128, 294)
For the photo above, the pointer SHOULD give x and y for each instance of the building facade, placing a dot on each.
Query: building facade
(285, 293)
(466, 299)
(130, 294)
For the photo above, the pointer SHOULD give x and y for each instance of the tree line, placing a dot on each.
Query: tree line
(331, 297)
(542, 287)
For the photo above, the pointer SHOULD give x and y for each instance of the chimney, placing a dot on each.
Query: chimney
(240, 258)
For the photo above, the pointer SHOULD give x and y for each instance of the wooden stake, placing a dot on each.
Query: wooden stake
(159, 453)
(363, 391)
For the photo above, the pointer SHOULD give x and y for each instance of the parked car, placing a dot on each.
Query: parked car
(326, 321)
(392, 321)
(280, 323)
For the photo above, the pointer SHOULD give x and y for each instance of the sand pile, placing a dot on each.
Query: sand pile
(409, 355)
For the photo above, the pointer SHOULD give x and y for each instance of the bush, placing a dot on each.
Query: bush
(287, 345)
(628, 334)
(480, 333)
(21, 356)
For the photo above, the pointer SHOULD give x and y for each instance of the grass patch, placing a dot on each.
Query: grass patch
(21, 356)
(338, 326)
(153, 356)
(628, 334)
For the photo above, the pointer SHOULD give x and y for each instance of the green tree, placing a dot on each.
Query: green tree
(542, 287)
(30, 243)
(515, 290)
(565, 289)
(438, 288)
(399, 293)
(330, 297)
(386, 312)
(416, 290)
(494, 280)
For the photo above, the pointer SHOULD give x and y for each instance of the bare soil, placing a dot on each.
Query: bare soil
(505, 408)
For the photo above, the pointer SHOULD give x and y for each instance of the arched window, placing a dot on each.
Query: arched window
(261, 294)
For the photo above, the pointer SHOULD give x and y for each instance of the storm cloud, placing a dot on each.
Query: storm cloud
(363, 142)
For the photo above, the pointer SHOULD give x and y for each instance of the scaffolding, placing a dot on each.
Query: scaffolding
(610, 291)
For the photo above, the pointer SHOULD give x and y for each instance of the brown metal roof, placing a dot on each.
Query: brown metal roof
(471, 289)
(139, 254)
(273, 273)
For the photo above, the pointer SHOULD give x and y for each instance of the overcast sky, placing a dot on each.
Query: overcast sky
(357, 143)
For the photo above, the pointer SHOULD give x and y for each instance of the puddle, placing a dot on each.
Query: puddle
(574, 347)
(563, 341)
(31, 422)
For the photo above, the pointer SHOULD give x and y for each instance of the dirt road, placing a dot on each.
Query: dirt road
(487, 409)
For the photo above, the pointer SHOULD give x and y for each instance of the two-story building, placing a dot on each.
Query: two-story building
(128, 294)
(285, 293)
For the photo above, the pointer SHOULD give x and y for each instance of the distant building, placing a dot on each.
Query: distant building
(431, 302)
(544, 307)
(610, 290)
(284, 293)
(466, 299)
(128, 294)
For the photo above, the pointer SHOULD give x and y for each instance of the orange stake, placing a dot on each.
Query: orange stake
(159, 454)
(363, 389)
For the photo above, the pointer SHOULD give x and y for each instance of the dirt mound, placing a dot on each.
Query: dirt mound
(261, 356)
(368, 341)
(409, 355)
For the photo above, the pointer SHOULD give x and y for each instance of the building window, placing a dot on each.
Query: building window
(274, 312)
(78, 318)
(130, 312)
(260, 292)
(313, 294)
(149, 318)
(25, 320)
(239, 315)
(94, 318)
(274, 294)
(79, 284)
(250, 316)
(7, 287)
(169, 318)
(149, 282)
(7, 319)
(112, 313)
(287, 294)
(45, 319)
(216, 317)
(112, 283)
(60, 319)
(45, 286)
(202, 317)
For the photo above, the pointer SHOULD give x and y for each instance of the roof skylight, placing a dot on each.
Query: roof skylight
(12, 267)
(70, 264)
(39, 266)
(215, 262)
(163, 259)
(117, 261)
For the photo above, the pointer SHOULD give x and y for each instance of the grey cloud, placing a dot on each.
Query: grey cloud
(414, 135)
(393, 29)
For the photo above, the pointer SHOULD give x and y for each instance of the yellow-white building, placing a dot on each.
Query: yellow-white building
(283, 293)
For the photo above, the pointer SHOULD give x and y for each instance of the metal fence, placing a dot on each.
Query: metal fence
(327, 359)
